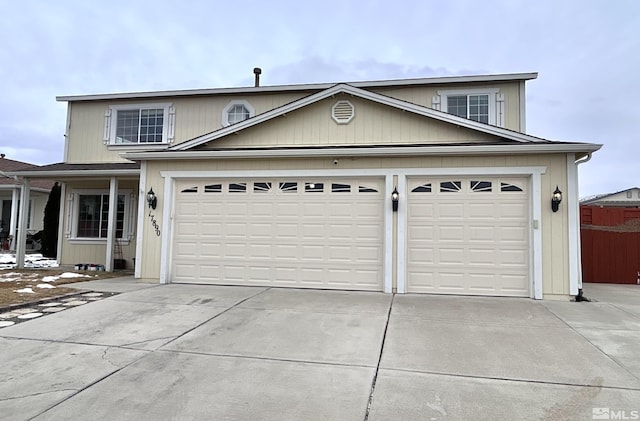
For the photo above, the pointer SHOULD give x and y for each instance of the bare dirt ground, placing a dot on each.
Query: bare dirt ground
(20, 286)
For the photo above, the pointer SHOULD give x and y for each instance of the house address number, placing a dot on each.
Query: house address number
(154, 223)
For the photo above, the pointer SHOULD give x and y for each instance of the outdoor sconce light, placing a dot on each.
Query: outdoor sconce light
(556, 199)
(394, 199)
(152, 200)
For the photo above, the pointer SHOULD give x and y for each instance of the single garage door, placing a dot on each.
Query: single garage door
(468, 235)
(311, 233)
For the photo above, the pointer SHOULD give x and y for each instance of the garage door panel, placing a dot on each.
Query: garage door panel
(454, 210)
(485, 257)
(450, 256)
(451, 233)
(209, 209)
(482, 234)
(280, 234)
(477, 241)
(421, 210)
(481, 211)
(311, 253)
(261, 209)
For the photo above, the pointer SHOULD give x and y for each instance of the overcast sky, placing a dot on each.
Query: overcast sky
(587, 54)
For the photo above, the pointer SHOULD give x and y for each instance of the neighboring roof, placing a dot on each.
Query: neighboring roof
(87, 170)
(304, 87)
(371, 96)
(8, 166)
(602, 197)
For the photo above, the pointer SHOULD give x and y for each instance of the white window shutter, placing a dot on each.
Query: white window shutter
(171, 123)
(70, 211)
(435, 102)
(107, 126)
(500, 109)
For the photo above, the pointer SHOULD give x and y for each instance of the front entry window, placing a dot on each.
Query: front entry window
(93, 215)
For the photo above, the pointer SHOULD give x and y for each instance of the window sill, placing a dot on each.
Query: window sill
(78, 240)
(137, 146)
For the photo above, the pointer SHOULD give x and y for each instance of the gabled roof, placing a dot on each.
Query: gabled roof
(8, 166)
(602, 197)
(364, 94)
(308, 87)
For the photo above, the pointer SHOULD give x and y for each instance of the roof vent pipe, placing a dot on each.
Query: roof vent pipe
(257, 71)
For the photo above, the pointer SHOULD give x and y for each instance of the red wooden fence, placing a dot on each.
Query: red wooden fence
(610, 239)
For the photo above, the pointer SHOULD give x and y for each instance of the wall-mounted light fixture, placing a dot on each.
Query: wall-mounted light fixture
(395, 196)
(152, 200)
(556, 199)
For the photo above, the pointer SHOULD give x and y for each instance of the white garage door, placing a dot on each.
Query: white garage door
(468, 235)
(312, 233)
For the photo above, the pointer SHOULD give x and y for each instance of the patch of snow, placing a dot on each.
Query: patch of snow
(73, 275)
(5, 323)
(9, 279)
(50, 278)
(45, 286)
(29, 316)
(35, 260)
(11, 274)
(24, 290)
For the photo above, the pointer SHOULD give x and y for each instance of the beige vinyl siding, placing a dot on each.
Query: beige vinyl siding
(423, 96)
(198, 115)
(373, 124)
(554, 226)
(194, 116)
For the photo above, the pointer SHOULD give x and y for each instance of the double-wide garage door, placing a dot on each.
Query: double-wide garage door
(318, 233)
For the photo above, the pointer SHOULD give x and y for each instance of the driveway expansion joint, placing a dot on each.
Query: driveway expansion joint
(511, 379)
(375, 375)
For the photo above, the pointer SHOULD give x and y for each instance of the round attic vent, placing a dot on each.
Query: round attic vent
(343, 112)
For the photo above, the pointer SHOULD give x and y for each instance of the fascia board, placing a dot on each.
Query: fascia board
(301, 87)
(75, 173)
(526, 148)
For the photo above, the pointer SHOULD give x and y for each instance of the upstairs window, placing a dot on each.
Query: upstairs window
(481, 105)
(473, 107)
(139, 124)
(236, 111)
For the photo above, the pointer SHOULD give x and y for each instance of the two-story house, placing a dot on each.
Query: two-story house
(422, 185)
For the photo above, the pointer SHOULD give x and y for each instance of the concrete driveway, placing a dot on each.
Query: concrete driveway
(190, 352)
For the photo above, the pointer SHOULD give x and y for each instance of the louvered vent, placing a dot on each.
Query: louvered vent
(343, 112)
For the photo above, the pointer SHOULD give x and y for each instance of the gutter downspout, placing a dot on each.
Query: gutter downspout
(580, 297)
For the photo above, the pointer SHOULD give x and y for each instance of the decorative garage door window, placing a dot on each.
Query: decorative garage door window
(450, 186)
(507, 187)
(480, 186)
(213, 188)
(422, 188)
(288, 187)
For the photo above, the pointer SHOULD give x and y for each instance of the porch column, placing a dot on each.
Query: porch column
(111, 224)
(21, 243)
(13, 221)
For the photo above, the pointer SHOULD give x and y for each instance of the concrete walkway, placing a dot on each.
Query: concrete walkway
(193, 352)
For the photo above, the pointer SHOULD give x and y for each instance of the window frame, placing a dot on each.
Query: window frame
(74, 213)
(492, 94)
(111, 125)
(227, 109)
